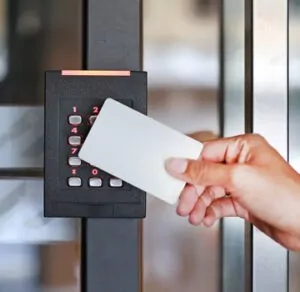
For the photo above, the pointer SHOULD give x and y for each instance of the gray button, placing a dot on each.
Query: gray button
(75, 140)
(115, 183)
(74, 161)
(95, 182)
(92, 119)
(74, 182)
(75, 120)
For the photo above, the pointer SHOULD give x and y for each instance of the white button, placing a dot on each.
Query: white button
(74, 161)
(92, 119)
(75, 140)
(115, 183)
(74, 181)
(75, 120)
(95, 182)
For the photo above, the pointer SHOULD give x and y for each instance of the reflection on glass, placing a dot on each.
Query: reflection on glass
(181, 57)
(294, 119)
(37, 254)
(233, 229)
(270, 102)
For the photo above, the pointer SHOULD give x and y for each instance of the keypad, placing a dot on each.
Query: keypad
(75, 120)
(115, 183)
(74, 161)
(74, 182)
(92, 119)
(75, 140)
(95, 182)
(76, 173)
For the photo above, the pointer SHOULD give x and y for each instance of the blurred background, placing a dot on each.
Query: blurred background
(182, 57)
(181, 54)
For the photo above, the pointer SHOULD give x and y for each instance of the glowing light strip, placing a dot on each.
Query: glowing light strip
(94, 73)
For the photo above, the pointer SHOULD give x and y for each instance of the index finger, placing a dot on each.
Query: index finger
(218, 150)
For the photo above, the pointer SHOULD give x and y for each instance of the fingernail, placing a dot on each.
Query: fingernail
(176, 165)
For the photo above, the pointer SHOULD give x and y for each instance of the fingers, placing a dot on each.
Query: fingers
(187, 200)
(198, 172)
(209, 207)
(193, 203)
(204, 201)
(216, 150)
(212, 206)
(234, 149)
(224, 207)
(213, 167)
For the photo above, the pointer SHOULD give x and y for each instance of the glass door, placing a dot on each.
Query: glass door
(232, 110)
(216, 68)
(181, 55)
(36, 253)
(294, 119)
(260, 85)
(270, 118)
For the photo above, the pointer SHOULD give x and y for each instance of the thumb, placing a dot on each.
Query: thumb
(199, 172)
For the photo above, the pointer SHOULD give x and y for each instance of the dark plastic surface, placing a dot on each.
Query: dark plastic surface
(111, 249)
(84, 95)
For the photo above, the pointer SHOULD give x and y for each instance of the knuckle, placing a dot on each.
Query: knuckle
(236, 175)
(294, 245)
(196, 171)
(207, 198)
(210, 194)
(257, 138)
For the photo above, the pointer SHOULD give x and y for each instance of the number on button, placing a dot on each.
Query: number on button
(95, 171)
(74, 130)
(95, 110)
(74, 150)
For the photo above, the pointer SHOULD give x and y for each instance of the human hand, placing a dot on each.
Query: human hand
(244, 177)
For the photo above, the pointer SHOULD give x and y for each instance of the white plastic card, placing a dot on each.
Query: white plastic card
(134, 148)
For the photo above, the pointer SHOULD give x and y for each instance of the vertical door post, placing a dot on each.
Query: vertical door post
(111, 248)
